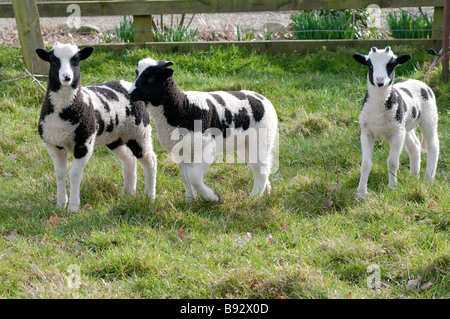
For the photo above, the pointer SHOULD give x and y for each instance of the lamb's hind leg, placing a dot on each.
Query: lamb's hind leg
(412, 146)
(194, 174)
(261, 174)
(430, 136)
(128, 161)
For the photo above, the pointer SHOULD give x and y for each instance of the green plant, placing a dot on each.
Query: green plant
(406, 25)
(174, 33)
(125, 30)
(107, 37)
(328, 24)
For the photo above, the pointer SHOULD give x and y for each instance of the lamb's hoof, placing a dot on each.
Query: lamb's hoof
(360, 196)
(213, 198)
(72, 209)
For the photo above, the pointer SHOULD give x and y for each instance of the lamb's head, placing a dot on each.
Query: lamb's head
(150, 78)
(64, 64)
(381, 63)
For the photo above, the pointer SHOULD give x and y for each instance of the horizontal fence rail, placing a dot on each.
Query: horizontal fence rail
(151, 7)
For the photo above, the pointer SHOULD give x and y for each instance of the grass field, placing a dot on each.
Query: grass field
(309, 238)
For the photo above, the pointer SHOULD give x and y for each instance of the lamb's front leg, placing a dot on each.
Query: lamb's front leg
(367, 142)
(59, 157)
(396, 146)
(76, 175)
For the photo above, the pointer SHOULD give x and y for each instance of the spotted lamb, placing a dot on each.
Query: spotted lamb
(209, 123)
(75, 118)
(393, 112)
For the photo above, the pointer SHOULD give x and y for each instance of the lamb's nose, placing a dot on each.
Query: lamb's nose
(66, 78)
(380, 79)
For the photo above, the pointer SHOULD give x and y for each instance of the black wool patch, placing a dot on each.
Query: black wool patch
(109, 94)
(79, 151)
(100, 123)
(392, 100)
(241, 119)
(401, 109)
(110, 126)
(115, 144)
(134, 146)
(257, 108)
(228, 116)
(83, 115)
(219, 99)
(116, 86)
(139, 112)
(238, 94)
(407, 91)
(424, 93)
(366, 98)
(47, 108)
(40, 129)
(105, 104)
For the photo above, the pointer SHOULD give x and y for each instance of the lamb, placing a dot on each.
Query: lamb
(393, 112)
(75, 118)
(209, 123)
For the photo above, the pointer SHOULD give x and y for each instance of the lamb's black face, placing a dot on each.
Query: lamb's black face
(64, 62)
(150, 78)
(381, 65)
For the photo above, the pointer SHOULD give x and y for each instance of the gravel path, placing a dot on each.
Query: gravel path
(224, 26)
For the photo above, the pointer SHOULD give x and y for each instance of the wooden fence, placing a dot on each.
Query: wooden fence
(143, 10)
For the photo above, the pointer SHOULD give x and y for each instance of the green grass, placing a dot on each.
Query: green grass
(294, 243)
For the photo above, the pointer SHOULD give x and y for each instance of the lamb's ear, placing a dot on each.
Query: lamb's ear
(85, 53)
(167, 73)
(403, 59)
(167, 64)
(43, 54)
(360, 58)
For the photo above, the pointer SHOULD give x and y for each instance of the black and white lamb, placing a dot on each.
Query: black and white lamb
(393, 112)
(75, 118)
(208, 123)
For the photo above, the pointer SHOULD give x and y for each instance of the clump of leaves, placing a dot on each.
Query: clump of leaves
(405, 25)
(125, 30)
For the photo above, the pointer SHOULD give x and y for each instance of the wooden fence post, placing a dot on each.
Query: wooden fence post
(445, 41)
(143, 28)
(30, 36)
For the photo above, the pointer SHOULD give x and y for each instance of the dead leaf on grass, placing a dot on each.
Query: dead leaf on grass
(87, 207)
(54, 221)
(413, 283)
